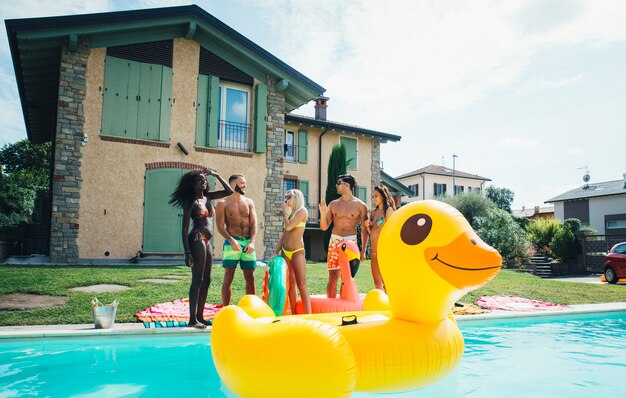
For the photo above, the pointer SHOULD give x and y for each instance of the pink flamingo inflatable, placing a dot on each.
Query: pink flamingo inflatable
(349, 299)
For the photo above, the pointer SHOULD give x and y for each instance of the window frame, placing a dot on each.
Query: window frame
(222, 142)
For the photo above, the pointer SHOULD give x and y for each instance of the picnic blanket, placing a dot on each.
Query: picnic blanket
(172, 313)
(513, 303)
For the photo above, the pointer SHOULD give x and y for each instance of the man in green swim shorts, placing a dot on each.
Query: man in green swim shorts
(236, 221)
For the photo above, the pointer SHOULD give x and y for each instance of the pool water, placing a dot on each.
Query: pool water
(536, 357)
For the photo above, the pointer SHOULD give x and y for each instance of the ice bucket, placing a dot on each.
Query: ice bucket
(104, 316)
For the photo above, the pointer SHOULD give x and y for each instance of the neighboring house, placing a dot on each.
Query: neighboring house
(132, 100)
(397, 189)
(601, 206)
(431, 181)
(537, 212)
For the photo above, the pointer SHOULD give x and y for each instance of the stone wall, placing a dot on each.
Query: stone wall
(273, 221)
(66, 178)
(375, 163)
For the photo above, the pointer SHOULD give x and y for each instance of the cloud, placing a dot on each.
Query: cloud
(574, 151)
(517, 143)
(540, 82)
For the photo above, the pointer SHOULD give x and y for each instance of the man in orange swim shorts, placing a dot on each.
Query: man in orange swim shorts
(344, 213)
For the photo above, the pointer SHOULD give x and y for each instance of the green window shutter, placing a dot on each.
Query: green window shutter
(146, 93)
(132, 109)
(303, 146)
(121, 99)
(260, 116)
(362, 194)
(351, 152)
(109, 96)
(166, 100)
(213, 110)
(154, 83)
(303, 186)
(202, 107)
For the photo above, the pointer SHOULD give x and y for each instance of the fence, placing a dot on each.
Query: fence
(595, 248)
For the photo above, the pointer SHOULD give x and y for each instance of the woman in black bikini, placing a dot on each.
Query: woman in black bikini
(384, 206)
(193, 196)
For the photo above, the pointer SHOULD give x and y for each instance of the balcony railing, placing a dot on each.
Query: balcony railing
(314, 214)
(233, 136)
(291, 153)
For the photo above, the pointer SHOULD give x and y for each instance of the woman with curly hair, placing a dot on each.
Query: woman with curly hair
(193, 196)
(384, 206)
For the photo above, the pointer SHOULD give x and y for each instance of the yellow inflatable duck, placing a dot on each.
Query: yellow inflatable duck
(429, 257)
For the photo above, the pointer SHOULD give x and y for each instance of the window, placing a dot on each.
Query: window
(440, 189)
(234, 117)
(621, 249)
(136, 99)
(458, 189)
(352, 152)
(415, 188)
(289, 184)
(290, 145)
(361, 193)
(616, 224)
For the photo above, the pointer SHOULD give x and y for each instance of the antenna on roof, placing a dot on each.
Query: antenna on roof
(586, 177)
(443, 161)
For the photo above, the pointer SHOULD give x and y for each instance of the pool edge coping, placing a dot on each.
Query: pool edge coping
(39, 331)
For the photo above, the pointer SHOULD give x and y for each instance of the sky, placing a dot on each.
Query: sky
(528, 93)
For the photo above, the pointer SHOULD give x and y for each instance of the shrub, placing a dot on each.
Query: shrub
(541, 231)
(498, 229)
(564, 245)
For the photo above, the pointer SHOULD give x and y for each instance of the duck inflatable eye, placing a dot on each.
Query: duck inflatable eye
(416, 228)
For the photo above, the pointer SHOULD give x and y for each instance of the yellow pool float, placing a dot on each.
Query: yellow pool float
(429, 257)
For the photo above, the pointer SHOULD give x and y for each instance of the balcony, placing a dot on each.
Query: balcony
(314, 214)
(233, 136)
(291, 153)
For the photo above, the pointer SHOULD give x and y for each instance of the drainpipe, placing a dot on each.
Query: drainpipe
(319, 166)
(423, 187)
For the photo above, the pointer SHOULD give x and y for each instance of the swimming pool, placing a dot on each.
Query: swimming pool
(573, 356)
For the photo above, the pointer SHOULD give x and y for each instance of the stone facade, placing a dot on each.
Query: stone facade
(376, 180)
(273, 221)
(66, 178)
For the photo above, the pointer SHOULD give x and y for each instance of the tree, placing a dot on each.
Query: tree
(498, 229)
(470, 204)
(502, 197)
(337, 165)
(25, 176)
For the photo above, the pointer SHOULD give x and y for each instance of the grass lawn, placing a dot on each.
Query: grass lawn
(56, 281)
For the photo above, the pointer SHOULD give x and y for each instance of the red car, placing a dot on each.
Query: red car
(615, 263)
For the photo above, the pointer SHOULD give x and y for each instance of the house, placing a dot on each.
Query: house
(431, 181)
(396, 188)
(545, 212)
(132, 100)
(601, 206)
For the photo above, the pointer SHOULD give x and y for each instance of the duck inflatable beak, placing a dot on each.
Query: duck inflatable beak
(467, 262)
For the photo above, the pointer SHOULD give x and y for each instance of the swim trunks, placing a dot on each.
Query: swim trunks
(334, 246)
(232, 257)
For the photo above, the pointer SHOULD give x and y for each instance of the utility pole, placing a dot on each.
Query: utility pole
(454, 175)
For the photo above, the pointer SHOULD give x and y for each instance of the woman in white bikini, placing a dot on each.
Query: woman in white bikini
(384, 206)
(291, 245)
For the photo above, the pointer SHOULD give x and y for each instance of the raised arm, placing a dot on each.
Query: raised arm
(326, 215)
(300, 216)
(224, 192)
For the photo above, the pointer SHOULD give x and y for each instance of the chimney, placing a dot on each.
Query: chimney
(536, 209)
(320, 107)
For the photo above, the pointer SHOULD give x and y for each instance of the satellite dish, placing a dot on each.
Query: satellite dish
(586, 178)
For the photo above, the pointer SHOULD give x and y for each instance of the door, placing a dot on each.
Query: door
(162, 222)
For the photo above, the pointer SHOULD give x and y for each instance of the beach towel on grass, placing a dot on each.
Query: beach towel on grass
(513, 303)
(172, 313)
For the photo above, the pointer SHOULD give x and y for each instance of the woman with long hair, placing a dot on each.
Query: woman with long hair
(384, 206)
(291, 246)
(193, 196)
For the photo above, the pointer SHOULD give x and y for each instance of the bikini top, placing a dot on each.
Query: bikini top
(300, 224)
(204, 212)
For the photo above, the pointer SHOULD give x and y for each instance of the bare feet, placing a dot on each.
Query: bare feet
(206, 322)
(197, 325)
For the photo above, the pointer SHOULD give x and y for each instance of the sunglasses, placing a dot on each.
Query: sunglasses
(340, 182)
(287, 197)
